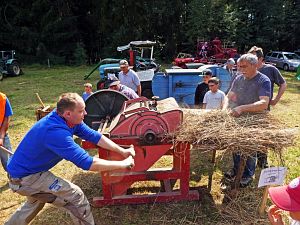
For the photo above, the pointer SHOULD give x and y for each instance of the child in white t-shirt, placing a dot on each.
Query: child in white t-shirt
(214, 98)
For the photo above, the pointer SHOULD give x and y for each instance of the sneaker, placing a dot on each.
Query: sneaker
(246, 181)
(230, 174)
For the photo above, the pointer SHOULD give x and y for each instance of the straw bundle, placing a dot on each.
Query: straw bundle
(241, 210)
(217, 130)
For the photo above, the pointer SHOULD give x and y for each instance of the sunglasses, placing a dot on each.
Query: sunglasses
(211, 85)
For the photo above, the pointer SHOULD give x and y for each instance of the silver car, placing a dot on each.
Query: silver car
(284, 60)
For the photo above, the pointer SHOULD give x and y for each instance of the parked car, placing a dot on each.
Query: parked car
(283, 60)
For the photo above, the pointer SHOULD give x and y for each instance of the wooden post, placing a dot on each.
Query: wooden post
(263, 202)
(237, 180)
(211, 172)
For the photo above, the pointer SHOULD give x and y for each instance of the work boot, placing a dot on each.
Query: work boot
(246, 181)
(230, 174)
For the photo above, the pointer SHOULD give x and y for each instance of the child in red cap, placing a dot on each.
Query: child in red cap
(285, 198)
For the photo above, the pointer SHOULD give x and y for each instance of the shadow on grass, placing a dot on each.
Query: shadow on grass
(184, 212)
(203, 211)
(4, 188)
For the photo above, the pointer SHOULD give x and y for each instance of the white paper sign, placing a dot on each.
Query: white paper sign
(272, 176)
(146, 75)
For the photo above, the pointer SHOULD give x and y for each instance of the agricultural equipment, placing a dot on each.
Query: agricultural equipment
(138, 62)
(145, 77)
(181, 83)
(148, 125)
(145, 67)
(9, 65)
(208, 52)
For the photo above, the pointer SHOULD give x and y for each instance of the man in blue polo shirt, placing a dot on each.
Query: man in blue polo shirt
(5, 114)
(250, 93)
(48, 142)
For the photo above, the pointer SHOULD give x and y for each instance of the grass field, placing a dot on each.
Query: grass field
(211, 209)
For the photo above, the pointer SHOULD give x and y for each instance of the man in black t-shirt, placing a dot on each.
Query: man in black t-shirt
(202, 88)
(276, 78)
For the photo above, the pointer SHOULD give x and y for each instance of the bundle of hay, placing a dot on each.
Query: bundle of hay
(217, 130)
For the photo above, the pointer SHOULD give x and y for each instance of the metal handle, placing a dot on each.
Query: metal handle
(6, 150)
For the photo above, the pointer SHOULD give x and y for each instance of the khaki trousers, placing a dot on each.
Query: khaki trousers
(45, 187)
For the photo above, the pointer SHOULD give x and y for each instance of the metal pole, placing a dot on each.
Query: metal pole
(6, 150)
(151, 52)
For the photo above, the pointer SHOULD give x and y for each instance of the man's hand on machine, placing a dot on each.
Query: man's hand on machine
(128, 151)
(129, 162)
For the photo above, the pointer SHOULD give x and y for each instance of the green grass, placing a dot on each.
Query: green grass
(52, 82)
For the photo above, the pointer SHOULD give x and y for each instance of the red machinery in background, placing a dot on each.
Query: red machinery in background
(208, 52)
(146, 124)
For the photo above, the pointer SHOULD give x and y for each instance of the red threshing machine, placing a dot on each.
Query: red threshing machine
(146, 124)
(208, 52)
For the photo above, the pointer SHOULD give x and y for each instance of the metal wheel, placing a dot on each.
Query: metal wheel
(14, 69)
(285, 67)
(101, 105)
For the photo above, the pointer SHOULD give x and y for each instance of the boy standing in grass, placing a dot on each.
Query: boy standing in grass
(214, 98)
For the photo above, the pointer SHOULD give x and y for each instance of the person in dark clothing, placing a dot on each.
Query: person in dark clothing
(276, 78)
(202, 88)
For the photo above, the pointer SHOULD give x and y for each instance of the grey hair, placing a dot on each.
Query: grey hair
(250, 58)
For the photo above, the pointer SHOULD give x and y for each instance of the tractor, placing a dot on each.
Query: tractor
(145, 67)
(9, 65)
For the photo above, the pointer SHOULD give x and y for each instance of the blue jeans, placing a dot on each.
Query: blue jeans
(4, 155)
(249, 167)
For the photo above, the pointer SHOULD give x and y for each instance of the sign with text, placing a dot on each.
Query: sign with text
(272, 176)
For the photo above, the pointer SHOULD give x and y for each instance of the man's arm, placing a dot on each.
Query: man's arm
(106, 143)
(100, 165)
(258, 106)
(139, 90)
(281, 90)
(225, 103)
(4, 129)
(197, 94)
(231, 96)
(204, 102)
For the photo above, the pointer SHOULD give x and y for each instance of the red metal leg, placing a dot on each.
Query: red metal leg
(115, 184)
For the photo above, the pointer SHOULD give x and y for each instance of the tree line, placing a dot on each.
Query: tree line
(76, 32)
